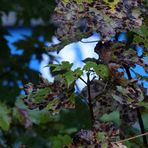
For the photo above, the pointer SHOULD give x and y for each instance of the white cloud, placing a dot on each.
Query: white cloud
(74, 53)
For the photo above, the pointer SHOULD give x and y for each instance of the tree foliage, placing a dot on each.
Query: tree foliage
(53, 114)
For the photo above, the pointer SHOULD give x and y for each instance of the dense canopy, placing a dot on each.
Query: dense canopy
(110, 111)
(103, 16)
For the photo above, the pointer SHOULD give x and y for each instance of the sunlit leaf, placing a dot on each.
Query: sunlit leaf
(100, 69)
(63, 66)
(101, 136)
(70, 78)
(142, 31)
(40, 95)
(112, 3)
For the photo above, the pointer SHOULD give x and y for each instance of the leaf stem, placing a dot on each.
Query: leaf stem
(131, 138)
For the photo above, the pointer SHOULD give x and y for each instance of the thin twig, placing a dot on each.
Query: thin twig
(90, 41)
(83, 80)
(141, 126)
(131, 138)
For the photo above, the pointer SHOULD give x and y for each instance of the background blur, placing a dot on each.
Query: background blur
(24, 31)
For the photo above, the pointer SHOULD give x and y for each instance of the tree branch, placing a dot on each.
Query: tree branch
(138, 110)
(83, 80)
(90, 41)
(89, 99)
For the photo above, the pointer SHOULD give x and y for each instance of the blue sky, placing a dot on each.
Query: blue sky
(75, 52)
(18, 34)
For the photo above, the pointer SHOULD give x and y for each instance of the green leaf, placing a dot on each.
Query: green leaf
(40, 95)
(60, 141)
(141, 35)
(65, 65)
(100, 69)
(89, 65)
(101, 136)
(39, 116)
(139, 39)
(112, 4)
(142, 31)
(19, 102)
(104, 145)
(78, 72)
(5, 118)
(72, 98)
(113, 116)
(70, 78)
(52, 104)
(67, 140)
